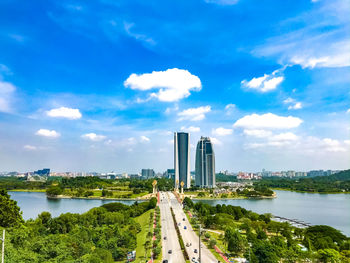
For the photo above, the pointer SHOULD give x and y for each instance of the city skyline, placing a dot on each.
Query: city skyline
(100, 86)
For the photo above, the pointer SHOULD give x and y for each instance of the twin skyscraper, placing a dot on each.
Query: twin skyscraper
(205, 161)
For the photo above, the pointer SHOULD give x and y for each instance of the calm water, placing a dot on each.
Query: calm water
(32, 204)
(325, 209)
(316, 209)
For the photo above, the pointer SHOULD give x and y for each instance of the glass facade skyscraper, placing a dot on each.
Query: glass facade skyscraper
(205, 163)
(182, 159)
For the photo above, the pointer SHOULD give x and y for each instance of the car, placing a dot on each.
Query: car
(165, 261)
(195, 250)
(193, 259)
(183, 219)
(164, 238)
(187, 244)
(185, 227)
(170, 251)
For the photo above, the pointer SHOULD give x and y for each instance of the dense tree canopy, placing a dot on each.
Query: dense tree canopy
(10, 214)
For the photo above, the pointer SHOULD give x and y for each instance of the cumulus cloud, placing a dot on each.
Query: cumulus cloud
(6, 92)
(48, 133)
(348, 111)
(332, 145)
(29, 147)
(194, 114)
(229, 108)
(172, 84)
(144, 139)
(215, 141)
(221, 131)
(64, 112)
(265, 83)
(293, 105)
(93, 137)
(190, 129)
(257, 133)
(267, 121)
(296, 106)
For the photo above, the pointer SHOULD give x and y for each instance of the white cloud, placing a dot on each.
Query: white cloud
(221, 131)
(265, 83)
(347, 142)
(48, 133)
(230, 108)
(348, 111)
(190, 129)
(222, 2)
(172, 84)
(267, 121)
(29, 147)
(310, 45)
(93, 137)
(332, 145)
(293, 105)
(296, 106)
(6, 92)
(215, 141)
(144, 139)
(64, 112)
(287, 136)
(194, 114)
(257, 133)
(288, 100)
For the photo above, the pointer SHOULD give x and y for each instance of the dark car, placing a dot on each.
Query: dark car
(195, 251)
(164, 238)
(170, 251)
(165, 261)
(183, 219)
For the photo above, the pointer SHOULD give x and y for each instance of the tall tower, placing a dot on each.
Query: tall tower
(205, 163)
(182, 159)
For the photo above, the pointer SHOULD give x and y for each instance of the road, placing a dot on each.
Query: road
(168, 231)
(189, 236)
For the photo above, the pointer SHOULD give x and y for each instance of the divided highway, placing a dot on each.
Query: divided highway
(189, 236)
(170, 240)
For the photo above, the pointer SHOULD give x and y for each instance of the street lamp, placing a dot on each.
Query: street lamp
(3, 246)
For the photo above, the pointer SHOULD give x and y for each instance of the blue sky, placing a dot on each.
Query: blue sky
(102, 85)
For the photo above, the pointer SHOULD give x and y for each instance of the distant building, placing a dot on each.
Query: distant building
(147, 173)
(170, 174)
(43, 172)
(182, 159)
(205, 163)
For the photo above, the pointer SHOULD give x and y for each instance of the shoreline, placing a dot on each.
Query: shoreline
(95, 198)
(306, 192)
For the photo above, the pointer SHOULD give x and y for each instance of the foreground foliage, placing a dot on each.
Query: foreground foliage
(103, 234)
(260, 239)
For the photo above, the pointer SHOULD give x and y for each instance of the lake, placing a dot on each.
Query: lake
(324, 209)
(32, 204)
(316, 209)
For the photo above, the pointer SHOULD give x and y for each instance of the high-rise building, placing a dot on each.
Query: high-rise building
(205, 163)
(147, 173)
(182, 159)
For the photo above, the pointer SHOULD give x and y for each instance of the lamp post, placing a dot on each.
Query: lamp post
(200, 252)
(3, 246)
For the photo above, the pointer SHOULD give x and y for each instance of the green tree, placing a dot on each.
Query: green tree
(328, 255)
(10, 214)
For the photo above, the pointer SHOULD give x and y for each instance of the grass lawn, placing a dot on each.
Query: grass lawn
(143, 220)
